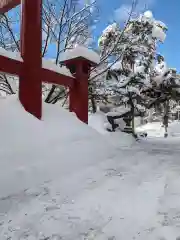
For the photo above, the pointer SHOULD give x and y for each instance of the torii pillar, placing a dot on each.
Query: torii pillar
(78, 95)
(79, 65)
(31, 47)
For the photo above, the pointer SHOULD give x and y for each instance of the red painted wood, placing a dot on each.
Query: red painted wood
(49, 76)
(6, 5)
(79, 93)
(11, 66)
(30, 84)
(31, 72)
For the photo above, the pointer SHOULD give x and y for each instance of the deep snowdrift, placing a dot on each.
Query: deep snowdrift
(60, 179)
(33, 151)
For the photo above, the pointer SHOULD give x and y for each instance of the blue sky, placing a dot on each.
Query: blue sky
(163, 10)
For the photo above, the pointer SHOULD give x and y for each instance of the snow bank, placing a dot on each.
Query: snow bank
(99, 122)
(58, 145)
(174, 129)
(60, 179)
(48, 170)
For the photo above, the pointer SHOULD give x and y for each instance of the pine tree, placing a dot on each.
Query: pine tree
(135, 49)
(164, 91)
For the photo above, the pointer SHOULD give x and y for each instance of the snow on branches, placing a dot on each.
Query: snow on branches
(135, 48)
(135, 67)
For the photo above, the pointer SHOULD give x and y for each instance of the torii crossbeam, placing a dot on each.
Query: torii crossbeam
(30, 70)
(6, 5)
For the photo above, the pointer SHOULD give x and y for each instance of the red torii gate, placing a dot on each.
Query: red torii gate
(30, 71)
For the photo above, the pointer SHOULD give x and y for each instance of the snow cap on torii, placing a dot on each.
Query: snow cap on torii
(80, 52)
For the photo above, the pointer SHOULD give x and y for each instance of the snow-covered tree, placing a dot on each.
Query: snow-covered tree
(164, 91)
(135, 54)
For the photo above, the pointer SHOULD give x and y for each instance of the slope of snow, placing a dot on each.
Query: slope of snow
(60, 179)
(80, 51)
(97, 121)
(49, 139)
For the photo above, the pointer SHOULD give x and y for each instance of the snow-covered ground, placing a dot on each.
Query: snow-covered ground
(60, 179)
(155, 129)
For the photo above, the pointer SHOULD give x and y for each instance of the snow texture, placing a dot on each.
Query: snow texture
(47, 64)
(10, 54)
(160, 70)
(60, 179)
(80, 51)
(148, 14)
(158, 33)
(117, 65)
(119, 111)
(158, 27)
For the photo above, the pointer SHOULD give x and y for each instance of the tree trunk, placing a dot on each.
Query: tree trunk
(48, 98)
(142, 121)
(132, 115)
(133, 123)
(166, 117)
(150, 117)
(93, 102)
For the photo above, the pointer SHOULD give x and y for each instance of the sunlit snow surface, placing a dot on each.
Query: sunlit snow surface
(61, 179)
